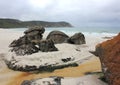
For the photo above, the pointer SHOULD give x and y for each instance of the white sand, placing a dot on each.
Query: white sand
(66, 50)
(6, 37)
(86, 80)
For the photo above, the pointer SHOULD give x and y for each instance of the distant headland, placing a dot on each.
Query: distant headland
(15, 23)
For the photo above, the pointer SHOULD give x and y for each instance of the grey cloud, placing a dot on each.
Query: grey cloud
(77, 12)
(13, 8)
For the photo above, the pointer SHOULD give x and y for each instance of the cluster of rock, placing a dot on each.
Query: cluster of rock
(60, 37)
(32, 41)
(109, 54)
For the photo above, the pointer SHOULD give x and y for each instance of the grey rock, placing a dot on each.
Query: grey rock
(57, 37)
(32, 42)
(47, 45)
(25, 49)
(35, 33)
(41, 29)
(22, 40)
(77, 38)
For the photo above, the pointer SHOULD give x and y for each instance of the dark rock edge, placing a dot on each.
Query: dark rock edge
(48, 68)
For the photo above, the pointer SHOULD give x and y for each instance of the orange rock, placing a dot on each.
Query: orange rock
(109, 54)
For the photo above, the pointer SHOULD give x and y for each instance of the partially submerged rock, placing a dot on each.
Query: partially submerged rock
(57, 37)
(109, 54)
(77, 38)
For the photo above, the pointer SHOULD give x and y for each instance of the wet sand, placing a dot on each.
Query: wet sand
(10, 77)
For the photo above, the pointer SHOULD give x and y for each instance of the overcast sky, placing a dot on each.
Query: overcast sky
(77, 12)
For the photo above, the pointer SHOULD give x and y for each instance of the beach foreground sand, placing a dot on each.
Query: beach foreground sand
(10, 77)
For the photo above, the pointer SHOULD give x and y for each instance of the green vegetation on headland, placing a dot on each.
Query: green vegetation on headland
(14, 23)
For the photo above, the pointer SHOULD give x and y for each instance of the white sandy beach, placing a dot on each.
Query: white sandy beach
(65, 50)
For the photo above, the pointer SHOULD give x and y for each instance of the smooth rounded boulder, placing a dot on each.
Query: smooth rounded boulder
(77, 38)
(57, 37)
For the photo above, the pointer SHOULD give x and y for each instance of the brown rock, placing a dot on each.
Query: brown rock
(109, 54)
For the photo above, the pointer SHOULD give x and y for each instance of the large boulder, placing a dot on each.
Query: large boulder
(109, 54)
(41, 29)
(77, 38)
(35, 33)
(57, 37)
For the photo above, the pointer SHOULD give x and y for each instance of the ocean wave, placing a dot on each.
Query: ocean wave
(71, 31)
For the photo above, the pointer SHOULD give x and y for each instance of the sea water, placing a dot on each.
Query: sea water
(86, 31)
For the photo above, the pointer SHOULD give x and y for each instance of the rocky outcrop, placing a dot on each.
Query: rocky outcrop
(29, 45)
(109, 54)
(13, 64)
(57, 37)
(77, 38)
(32, 42)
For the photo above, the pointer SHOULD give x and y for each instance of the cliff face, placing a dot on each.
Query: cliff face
(13, 23)
(109, 54)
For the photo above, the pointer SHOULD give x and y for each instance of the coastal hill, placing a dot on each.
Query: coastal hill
(14, 23)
